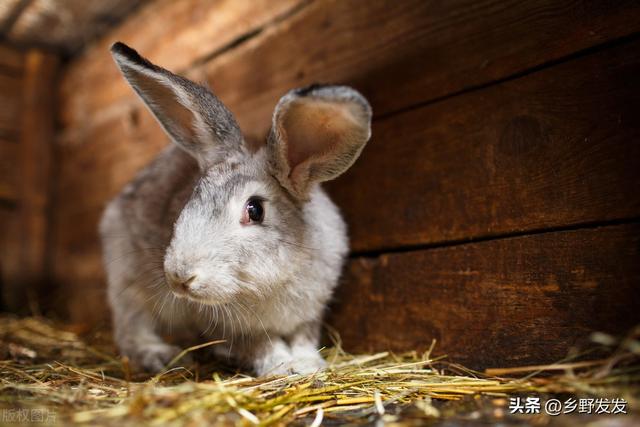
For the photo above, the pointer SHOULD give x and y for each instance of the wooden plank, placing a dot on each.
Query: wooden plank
(77, 265)
(11, 295)
(497, 303)
(405, 53)
(35, 165)
(10, 11)
(76, 256)
(397, 53)
(9, 160)
(557, 147)
(10, 104)
(97, 171)
(174, 33)
(66, 25)
(11, 60)
(336, 41)
(464, 173)
(95, 174)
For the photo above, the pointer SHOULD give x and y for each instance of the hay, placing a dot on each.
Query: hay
(48, 368)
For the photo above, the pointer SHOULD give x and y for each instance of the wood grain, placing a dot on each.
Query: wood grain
(10, 295)
(558, 147)
(498, 303)
(175, 34)
(25, 231)
(10, 104)
(11, 60)
(64, 26)
(117, 151)
(76, 254)
(11, 70)
(405, 53)
(554, 148)
(10, 11)
(9, 160)
(36, 149)
(108, 153)
(93, 179)
(510, 158)
(397, 53)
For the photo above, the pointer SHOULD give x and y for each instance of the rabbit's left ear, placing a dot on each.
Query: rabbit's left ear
(317, 133)
(190, 114)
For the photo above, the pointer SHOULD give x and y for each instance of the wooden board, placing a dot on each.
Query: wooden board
(554, 148)
(97, 171)
(11, 69)
(397, 53)
(10, 11)
(11, 60)
(497, 303)
(108, 155)
(10, 295)
(36, 149)
(176, 34)
(559, 147)
(64, 26)
(25, 184)
(409, 58)
(94, 175)
(10, 105)
(9, 161)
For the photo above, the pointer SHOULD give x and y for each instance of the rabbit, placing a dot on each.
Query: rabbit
(219, 240)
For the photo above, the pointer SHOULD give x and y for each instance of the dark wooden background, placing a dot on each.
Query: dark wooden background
(496, 207)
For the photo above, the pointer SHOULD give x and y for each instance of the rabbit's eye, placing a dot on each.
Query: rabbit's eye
(253, 212)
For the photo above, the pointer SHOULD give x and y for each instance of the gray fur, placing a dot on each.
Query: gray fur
(262, 287)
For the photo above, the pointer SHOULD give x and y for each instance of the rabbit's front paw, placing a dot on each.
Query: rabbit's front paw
(155, 357)
(275, 359)
(308, 364)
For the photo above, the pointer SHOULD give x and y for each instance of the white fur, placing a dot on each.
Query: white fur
(261, 287)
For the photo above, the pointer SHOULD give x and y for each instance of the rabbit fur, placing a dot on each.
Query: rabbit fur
(182, 259)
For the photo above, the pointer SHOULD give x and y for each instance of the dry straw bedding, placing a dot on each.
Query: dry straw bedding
(44, 367)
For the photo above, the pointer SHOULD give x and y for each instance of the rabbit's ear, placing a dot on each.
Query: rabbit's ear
(317, 133)
(192, 116)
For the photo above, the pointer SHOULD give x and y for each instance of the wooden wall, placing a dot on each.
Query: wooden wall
(60, 26)
(495, 208)
(11, 79)
(26, 134)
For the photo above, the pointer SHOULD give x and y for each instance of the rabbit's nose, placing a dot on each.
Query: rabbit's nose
(179, 284)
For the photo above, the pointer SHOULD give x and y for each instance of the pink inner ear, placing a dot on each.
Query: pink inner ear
(315, 128)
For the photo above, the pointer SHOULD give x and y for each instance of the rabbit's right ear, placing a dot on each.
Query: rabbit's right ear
(317, 133)
(190, 114)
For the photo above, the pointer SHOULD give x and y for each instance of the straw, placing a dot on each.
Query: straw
(45, 366)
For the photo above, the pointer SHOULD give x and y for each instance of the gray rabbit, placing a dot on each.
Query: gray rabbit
(214, 240)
